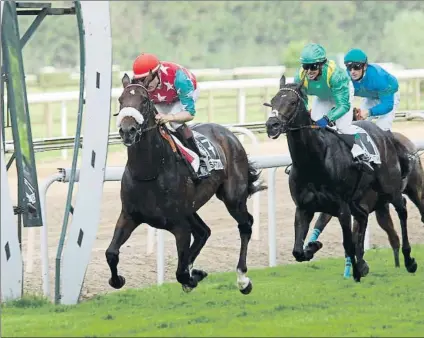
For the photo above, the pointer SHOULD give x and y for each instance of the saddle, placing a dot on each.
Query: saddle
(210, 159)
(363, 140)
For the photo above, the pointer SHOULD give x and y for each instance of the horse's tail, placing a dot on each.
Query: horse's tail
(254, 184)
(404, 159)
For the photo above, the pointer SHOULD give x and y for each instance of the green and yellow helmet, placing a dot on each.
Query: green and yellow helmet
(355, 56)
(313, 53)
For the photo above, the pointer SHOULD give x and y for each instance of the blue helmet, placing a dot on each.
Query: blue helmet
(356, 56)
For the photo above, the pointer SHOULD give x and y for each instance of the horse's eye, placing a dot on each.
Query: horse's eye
(293, 103)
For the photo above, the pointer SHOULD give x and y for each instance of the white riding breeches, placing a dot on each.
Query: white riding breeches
(174, 108)
(385, 121)
(321, 107)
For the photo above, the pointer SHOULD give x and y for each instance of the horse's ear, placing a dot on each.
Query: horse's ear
(125, 80)
(282, 81)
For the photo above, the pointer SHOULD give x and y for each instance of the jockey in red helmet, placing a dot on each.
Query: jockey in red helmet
(174, 91)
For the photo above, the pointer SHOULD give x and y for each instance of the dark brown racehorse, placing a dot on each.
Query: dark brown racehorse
(324, 176)
(414, 189)
(157, 188)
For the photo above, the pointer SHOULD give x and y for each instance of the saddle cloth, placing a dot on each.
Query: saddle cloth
(361, 138)
(211, 157)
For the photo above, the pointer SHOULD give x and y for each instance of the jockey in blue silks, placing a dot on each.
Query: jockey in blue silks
(379, 88)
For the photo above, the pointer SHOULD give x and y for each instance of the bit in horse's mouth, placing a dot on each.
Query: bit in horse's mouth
(127, 144)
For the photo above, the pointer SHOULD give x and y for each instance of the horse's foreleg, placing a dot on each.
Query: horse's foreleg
(201, 232)
(400, 206)
(182, 233)
(313, 245)
(359, 229)
(345, 220)
(384, 220)
(302, 220)
(123, 229)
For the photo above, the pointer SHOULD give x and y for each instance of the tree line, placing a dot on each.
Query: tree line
(227, 34)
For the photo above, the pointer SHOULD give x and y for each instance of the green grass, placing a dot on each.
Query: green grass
(308, 299)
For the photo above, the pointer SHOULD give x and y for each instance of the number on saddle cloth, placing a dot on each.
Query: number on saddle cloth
(211, 155)
(363, 140)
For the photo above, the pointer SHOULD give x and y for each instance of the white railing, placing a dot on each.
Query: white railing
(239, 85)
(407, 74)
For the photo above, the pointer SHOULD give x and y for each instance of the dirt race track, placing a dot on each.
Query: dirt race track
(222, 249)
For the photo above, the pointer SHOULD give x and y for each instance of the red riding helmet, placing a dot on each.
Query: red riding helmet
(144, 64)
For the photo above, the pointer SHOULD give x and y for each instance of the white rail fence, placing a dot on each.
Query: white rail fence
(414, 78)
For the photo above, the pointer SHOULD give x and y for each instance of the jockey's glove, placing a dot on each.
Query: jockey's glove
(323, 122)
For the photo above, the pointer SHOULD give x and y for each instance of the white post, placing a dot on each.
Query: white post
(64, 125)
(44, 233)
(241, 104)
(367, 239)
(151, 232)
(160, 262)
(272, 233)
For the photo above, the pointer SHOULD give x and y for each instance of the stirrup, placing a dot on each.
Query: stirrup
(288, 169)
(364, 165)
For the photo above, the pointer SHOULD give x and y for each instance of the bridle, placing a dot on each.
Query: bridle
(285, 125)
(142, 128)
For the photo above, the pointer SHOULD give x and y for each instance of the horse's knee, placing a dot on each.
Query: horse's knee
(112, 256)
(245, 228)
(208, 233)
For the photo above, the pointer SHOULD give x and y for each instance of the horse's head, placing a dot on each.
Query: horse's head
(136, 112)
(288, 109)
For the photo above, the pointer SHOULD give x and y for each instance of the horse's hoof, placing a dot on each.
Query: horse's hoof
(314, 246)
(187, 288)
(117, 284)
(356, 275)
(199, 275)
(247, 289)
(299, 256)
(412, 266)
(365, 269)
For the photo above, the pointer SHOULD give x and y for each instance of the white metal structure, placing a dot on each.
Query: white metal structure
(86, 215)
(11, 257)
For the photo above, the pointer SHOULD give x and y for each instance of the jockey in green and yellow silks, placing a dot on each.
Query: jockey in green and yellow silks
(333, 91)
(330, 85)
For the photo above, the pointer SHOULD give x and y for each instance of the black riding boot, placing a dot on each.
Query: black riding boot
(187, 138)
(204, 172)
